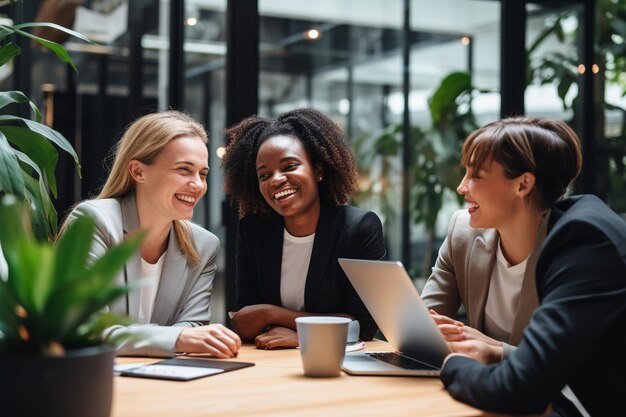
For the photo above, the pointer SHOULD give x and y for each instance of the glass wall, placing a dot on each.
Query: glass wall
(347, 59)
(455, 82)
(554, 43)
(205, 97)
(123, 75)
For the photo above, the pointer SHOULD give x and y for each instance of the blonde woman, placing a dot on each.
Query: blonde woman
(158, 176)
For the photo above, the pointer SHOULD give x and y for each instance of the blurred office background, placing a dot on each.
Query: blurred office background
(405, 79)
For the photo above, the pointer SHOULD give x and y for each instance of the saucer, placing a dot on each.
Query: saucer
(354, 346)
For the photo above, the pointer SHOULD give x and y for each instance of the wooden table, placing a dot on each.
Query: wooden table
(276, 386)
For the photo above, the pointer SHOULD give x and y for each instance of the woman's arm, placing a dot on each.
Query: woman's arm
(584, 301)
(252, 320)
(196, 307)
(441, 292)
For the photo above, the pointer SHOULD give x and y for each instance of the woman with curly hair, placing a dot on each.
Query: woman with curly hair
(291, 177)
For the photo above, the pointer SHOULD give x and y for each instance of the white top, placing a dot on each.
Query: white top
(502, 301)
(150, 276)
(294, 269)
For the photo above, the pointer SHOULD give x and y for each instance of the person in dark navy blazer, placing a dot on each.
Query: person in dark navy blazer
(291, 177)
(576, 337)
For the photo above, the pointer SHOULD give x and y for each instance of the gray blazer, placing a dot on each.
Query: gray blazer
(184, 292)
(462, 272)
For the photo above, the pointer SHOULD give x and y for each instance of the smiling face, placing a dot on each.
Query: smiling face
(493, 198)
(288, 182)
(171, 186)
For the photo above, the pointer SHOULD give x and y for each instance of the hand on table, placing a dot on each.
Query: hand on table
(476, 349)
(251, 320)
(467, 341)
(277, 337)
(215, 339)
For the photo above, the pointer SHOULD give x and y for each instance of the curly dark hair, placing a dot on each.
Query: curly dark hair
(323, 140)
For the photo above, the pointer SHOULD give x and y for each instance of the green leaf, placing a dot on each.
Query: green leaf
(39, 149)
(40, 191)
(54, 26)
(8, 52)
(12, 230)
(43, 214)
(43, 278)
(60, 292)
(57, 49)
(10, 172)
(112, 261)
(5, 31)
(26, 160)
(443, 101)
(9, 97)
(94, 289)
(73, 247)
(545, 33)
(46, 132)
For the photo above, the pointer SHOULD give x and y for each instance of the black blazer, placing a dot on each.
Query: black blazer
(342, 231)
(577, 336)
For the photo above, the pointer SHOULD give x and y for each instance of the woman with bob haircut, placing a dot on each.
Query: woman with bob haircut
(517, 171)
(291, 177)
(487, 261)
(158, 176)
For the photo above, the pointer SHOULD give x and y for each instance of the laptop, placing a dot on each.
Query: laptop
(393, 301)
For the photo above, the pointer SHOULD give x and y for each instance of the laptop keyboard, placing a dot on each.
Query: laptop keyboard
(400, 361)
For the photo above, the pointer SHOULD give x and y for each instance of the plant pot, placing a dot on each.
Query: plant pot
(78, 384)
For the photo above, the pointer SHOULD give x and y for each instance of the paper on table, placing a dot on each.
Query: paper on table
(118, 368)
(173, 371)
(354, 346)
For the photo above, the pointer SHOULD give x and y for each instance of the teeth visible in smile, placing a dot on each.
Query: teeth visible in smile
(472, 205)
(187, 198)
(285, 193)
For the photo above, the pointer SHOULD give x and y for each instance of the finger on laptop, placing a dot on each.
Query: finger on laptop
(452, 333)
(441, 319)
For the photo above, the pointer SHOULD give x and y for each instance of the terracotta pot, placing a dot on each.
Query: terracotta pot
(78, 384)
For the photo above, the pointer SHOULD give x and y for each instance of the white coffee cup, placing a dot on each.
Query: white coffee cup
(322, 344)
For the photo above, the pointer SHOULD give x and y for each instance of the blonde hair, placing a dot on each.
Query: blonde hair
(144, 140)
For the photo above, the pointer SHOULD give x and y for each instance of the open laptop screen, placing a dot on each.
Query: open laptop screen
(393, 301)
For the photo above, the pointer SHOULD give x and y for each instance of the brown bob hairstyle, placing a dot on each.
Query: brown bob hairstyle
(549, 149)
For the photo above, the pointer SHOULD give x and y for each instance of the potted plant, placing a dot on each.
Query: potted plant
(52, 357)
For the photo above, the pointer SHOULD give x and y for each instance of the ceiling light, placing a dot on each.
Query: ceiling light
(312, 34)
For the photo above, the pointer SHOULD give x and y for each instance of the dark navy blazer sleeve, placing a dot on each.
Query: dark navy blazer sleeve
(575, 337)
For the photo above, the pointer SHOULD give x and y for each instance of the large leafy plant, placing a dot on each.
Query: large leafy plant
(53, 296)
(28, 155)
(436, 156)
(559, 67)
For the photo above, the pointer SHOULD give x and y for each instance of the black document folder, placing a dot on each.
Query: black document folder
(182, 369)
